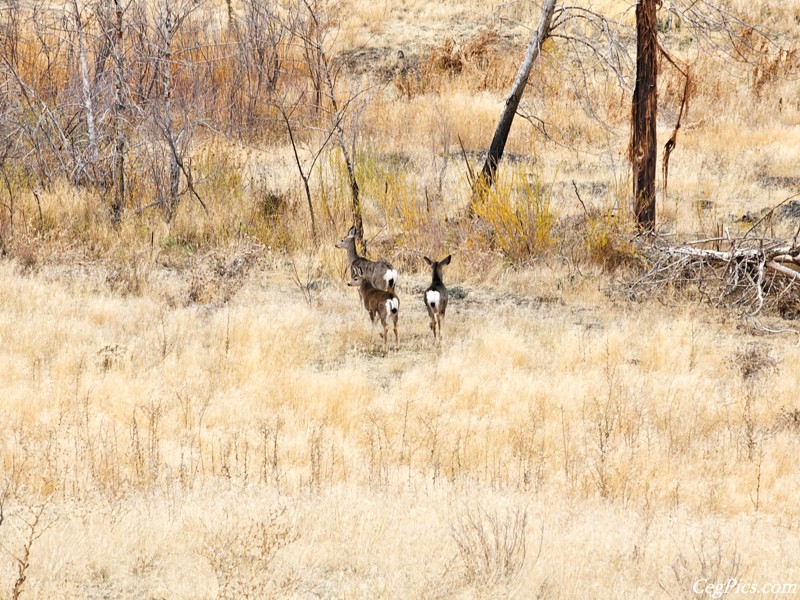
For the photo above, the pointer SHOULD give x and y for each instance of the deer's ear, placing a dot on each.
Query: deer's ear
(357, 271)
(446, 261)
(428, 260)
(352, 232)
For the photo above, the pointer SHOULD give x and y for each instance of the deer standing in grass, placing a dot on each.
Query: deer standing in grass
(379, 303)
(435, 296)
(380, 275)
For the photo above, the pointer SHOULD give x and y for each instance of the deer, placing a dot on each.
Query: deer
(381, 275)
(379, 303)
(435, 297)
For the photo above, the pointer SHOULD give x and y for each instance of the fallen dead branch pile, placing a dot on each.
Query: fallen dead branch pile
(752, 274)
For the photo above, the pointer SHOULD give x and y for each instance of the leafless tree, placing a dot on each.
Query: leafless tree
(86, 89)
(310, 106)
(599, 43)
(118, 52)
(315, 28)
(305, 158)
(111, 17)
(260, 37)
(487, 175)
(643, 117)
(37, 111)
(170, 124)
(169, 22)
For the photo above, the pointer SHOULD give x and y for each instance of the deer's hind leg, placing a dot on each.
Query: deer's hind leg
(432, 316)
(434, 324)
(385, 336)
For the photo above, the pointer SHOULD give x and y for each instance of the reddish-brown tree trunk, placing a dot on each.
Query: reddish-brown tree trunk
(643, 117)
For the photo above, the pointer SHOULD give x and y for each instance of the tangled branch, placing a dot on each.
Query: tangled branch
(748, 273)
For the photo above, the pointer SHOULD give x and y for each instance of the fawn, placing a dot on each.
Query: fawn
(379, 303)
(435, 296)
(381, 275)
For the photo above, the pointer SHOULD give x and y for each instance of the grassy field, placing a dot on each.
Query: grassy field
(268, 448)
(201, 409)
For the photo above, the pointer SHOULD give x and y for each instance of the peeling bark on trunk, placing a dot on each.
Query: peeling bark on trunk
(673, 140)
(643, 117)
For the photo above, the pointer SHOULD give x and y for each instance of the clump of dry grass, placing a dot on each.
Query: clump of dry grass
(241, 554)
(482, 60)
(492, 548)
(753, 360)
(215, 278)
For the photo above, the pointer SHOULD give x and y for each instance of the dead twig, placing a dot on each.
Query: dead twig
(470, 171)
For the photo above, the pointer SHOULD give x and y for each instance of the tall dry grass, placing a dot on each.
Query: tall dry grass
(191, 447)
(199, 408)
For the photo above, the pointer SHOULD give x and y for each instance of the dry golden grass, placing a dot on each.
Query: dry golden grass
(201, 409)
(264, 446)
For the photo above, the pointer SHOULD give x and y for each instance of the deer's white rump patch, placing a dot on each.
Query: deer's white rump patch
(390, 277)
(392, 306)
(432, 299)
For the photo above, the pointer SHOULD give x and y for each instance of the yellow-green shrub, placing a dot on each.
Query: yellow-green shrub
(519, 214)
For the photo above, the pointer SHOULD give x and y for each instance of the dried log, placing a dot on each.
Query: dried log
(778, 253)
(788, 258)
(786, 270)
(751, 274)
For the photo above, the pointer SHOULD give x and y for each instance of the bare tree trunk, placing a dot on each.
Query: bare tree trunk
(302, 172)
(348, 158)
(323, 71)
(643, 117)
(312, 42)
(118, 205)
(166, 81)
(86, 88)
(486, 178)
